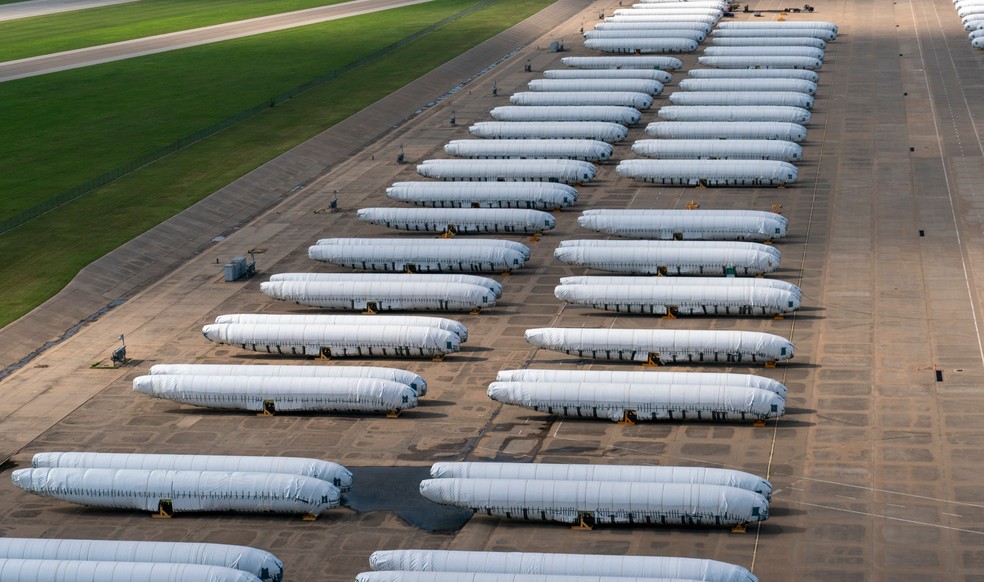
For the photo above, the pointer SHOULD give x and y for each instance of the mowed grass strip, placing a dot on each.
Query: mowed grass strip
(41, 35)
(65, 128)
(43, 255)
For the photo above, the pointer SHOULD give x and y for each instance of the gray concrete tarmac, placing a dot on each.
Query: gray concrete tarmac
(876, 464)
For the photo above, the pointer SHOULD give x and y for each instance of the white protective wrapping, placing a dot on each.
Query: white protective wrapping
(670, 10)
(284, 394)
(536, 195)
(461, 220)
(978, 43)
(450, 325)
(642, 45)
(822, 34)
(669, 346)
(588, 150)
(599, 130)
(559, 564)
(651, 74)
(14, 570)
(610, 113)
(599, 34)
(461, 242)
(769, 41)
(336, 340)
(701, 26)
(972, 25)
(714, 300)
(600, 502)
(761, 62)
(718, 149)
(663, 18)
(625, 473)
(646, 86)
(423, 257)
(785, 24)
(811, 76)
(563, 171)
(782, 113)
(381, 295)
(732, 98)
(767, 51)
(395, 576)
(754, 84)
(727, 130)
(327, 471)
(975, 34)
(711, 224)
(680, 244)
(670, 260)
(618, 98)
(187, 490)
(709, 172)
(491, 284)
(259, 563)
(641, 402)
(969, 9)
(669, 281)
(641, 62)
(623, 377)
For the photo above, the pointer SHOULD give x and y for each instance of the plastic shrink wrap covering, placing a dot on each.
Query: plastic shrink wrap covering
(803, 75)
(978, 43)
(821, 33)
(639, 402)
(395, 576)
(610, 113)
(651, 74)
(599, 130)
(642, 45)
(701, 26)
(537, 195)
(624, 473)
(602, 502)
(662, 19)
(14, 570)
(425, 257)
(977, 24)
(651, 33)
(460, 220)
(670, 10)
(641, 260)
(290, 394)
(782, 113)
(544, 170)
(570, 149)
(709, 172)
(259, 563)
(623, 377)
(966, 10)
(333, 473)
(786, 24)
(718, 149)
(381, 296)
(669, 281)
(564, 98)
(187, 490)
(643, 62)
(787, 98)
(727, 130)
(681, 299)
(754, 84)
(646, 86)
(975, 34)
(450, 325)
(769, 41)
(768, 51)
(491, 284)
(689, 224)
(669, 346)
(559, 564)
(336, 340)
(656, 245)
(761, 62)
(460, 242)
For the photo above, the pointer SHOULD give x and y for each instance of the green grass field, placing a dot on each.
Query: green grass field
(43, 255)
(29, 37)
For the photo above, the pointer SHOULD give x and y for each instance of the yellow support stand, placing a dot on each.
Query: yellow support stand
(393, 414)
(475, 311)
(740, 528)
(776, 207)
(309, 517)
(438, 358)
(759, 422)
(779, 317)
(781, 186)
(653, 360)
(582, 524)
(269, 409)
(629, 418)
(536, 236)
(770, 364)
(671, 312)
(372, 308)
(693, 205)
(164, 510)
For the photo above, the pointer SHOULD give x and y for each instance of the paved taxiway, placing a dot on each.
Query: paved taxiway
(876, 464)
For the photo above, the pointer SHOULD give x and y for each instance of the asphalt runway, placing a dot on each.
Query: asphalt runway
(129, 49)
(876, 464)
